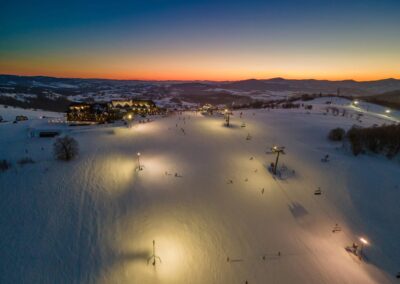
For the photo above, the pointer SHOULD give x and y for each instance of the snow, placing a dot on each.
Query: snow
(369, 109)
(19, 96)
(9, 113)
(93, 220)
(257, 95)
(54, 85)
(63, 85)
(104, 96)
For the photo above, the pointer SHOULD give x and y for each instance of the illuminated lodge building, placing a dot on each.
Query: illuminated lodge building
(114, 110)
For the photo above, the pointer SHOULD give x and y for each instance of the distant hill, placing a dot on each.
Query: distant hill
(346, 87)
(258, 85)
(56, 93)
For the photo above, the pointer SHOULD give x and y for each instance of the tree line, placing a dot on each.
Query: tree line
(383, 139)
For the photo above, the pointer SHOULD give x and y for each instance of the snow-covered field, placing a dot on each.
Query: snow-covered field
(93, 220)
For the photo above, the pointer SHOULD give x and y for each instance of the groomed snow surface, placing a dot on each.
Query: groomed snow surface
(93, 220)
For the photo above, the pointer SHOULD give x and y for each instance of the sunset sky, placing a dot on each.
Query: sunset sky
(203, 40)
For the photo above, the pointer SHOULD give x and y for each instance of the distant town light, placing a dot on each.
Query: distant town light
(388, 111)
(356, 102)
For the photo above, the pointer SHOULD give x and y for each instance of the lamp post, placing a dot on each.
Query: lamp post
(227, 117)
(138, 159)
(129, 120)
(278, 150)
(363, 243)
(355, 103)
(154, 257)
(388, 111)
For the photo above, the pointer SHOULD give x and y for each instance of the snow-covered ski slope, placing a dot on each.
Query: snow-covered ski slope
(93, 220)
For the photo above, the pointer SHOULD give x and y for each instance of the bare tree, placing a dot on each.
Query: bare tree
(65, 148)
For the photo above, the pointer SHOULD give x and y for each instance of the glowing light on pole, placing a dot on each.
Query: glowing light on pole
(278, 150)
(227, 117)
(128, 120)
(388, 111)
(364, 242)
(138, 159)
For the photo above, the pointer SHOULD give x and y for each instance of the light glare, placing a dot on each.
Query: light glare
(364, 241)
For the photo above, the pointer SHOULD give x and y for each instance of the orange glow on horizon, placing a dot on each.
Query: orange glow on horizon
(167, 69)
(160, 65)
(195, 76)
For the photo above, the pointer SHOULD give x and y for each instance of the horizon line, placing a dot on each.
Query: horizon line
(197, 80)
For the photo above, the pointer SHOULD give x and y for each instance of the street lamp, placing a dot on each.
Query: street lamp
(388, 111)
(227, 117)
(364, 242)
(128, 120)
(138, 159)
(278, 150)
(153, 258)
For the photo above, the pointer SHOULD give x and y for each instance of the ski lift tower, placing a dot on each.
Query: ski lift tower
(278, 150)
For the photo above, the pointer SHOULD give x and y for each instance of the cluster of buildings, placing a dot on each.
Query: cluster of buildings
(111, 111)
